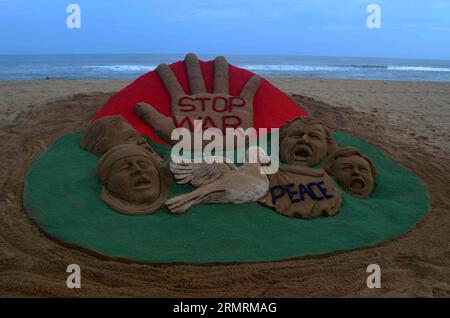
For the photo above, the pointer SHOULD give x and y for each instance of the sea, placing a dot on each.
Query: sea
(128, 66)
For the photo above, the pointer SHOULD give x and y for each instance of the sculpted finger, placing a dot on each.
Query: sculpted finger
(194, 73)
(220, 75)
(250, 89)
(161, 125)
(170, 81)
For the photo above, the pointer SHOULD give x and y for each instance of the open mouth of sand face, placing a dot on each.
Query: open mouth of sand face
(142, 183)
(357, 185)
(302, 152)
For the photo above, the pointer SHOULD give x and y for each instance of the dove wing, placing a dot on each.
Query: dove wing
(199, 174)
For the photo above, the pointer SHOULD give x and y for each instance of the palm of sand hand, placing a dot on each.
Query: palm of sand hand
(215, 110)
(218, 109)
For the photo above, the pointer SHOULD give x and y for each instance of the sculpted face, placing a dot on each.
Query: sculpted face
(354, 175)
(121, 132)
(304, 143)
(108, 132)
(134, 179)
(354, 171)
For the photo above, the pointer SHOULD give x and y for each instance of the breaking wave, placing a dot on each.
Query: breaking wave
(122, 68)
(419, 68)
(340, 68)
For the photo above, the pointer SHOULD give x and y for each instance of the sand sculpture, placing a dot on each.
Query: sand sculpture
(219, 183)
(305, 141)
(133, 182)
(353, 171)
(216, 110)
(110, 131)
(302, 192)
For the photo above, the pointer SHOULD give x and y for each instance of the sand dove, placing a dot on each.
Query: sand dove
(199, 174)
(219, 183)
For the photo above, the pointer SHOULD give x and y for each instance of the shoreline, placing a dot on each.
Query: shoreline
(269, 78)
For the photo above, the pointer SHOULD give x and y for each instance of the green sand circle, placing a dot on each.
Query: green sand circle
(62, 196)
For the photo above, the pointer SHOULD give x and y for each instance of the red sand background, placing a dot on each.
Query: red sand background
(149, 88)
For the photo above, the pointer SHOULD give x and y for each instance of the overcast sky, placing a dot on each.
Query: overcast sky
(409, 28)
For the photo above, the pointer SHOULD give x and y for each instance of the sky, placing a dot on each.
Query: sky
(409, 28)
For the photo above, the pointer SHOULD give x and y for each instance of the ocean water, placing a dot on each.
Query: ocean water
(104, 66)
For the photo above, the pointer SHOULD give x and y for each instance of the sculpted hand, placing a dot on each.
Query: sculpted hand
(218, 109)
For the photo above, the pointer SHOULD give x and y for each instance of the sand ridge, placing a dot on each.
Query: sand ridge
(415, 264)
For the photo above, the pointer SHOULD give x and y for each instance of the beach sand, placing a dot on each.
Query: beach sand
(408, 121)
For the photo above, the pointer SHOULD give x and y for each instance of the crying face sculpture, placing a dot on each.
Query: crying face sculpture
(305, 141)
(353, 171)
(108, 132)
(133, 182)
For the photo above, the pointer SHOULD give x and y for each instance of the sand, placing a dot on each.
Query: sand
(408, 121)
